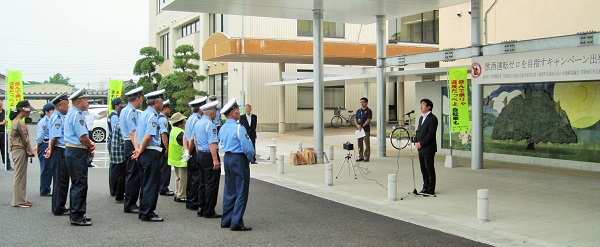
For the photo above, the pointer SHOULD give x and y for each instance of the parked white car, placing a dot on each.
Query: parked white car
(98, 127)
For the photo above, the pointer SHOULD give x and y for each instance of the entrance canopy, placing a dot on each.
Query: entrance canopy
(347, 11)
(220, 47)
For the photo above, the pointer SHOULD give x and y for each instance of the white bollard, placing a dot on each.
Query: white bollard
(330, 155)
(329, 174)
(299, 145)
(482, 205)
(274, 141)
(273, 154)
(392, 193)
(280, 164)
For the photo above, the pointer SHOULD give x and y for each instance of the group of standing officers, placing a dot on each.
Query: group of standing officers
(142, 148)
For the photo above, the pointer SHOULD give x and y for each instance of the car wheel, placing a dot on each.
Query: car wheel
(98, 135)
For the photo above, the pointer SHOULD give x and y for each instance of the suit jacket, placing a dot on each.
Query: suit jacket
(426, 134)
(250, 127)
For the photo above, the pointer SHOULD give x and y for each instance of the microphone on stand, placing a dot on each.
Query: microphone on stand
(411, 112)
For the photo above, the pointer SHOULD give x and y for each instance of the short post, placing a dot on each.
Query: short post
(273, 154)
(329, 174)
(299, 145)
(392, 193)
(451, 161)
(274, 141)
(330, 154)
(280, 164)
(482, 205)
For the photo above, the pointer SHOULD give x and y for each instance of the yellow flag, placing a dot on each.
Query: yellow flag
(14, 92)
(458, 93)
(114, 91)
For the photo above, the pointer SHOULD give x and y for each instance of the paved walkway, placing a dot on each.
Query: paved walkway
(529, 205)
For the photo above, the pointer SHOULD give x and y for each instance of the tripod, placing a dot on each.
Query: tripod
(347, 160)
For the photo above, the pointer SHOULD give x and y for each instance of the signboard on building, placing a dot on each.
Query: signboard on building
(458, 93)
(14, 92)
(569, 64)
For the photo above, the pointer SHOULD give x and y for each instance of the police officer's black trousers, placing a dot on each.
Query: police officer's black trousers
(132, 180)
(150, 167)
(61, 181)
(209, 184)
(77, 164)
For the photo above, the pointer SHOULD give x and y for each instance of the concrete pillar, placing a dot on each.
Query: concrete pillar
(381, 95)
(318, 87)
(476, 89)
(281, 100)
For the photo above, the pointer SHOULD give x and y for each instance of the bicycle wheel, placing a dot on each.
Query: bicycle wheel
(351, 120)
(336, 121)
(400, 138)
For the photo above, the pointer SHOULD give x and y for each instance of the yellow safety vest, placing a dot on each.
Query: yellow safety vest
(175, 150)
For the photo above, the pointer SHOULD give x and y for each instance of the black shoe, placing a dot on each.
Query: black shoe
(365, 160)
(153, 219)
(429, 193)
(214, 216)
(46, 195)
(423, 191)
(168, 193)
(361, 159)
(82, 223)
(180, 200)
(243, 228)
(132, 211)
(224, 226)
(254, 163)
(10, 169)
(91, 165)
(66, 212)
(87, 218)
(119, 201)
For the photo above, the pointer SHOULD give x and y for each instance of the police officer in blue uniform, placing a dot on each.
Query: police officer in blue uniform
(128, 119)
(207, 143)
(165, 129)
(42, 138)
(238, 153)
(112, 119)
(150, 156)
(79, 147)
(217, 119)
(56, 153)
(190, 153)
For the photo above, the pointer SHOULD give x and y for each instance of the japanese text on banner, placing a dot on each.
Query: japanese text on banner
(114, 91)
(458, 93)
(14, 92)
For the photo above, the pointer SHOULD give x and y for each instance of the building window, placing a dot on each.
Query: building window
(164, 46)
(190, 28)
(218, 23)
(330, 29)
(161, 4)
(217, 85)
(334, 96)
(419, 28)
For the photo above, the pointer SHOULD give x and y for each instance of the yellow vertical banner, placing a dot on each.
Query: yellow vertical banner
(114, 91)
(458, 93)
(14, 92)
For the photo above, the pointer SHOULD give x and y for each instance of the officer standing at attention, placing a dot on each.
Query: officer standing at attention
(190, 153)
(150, 156)
(238, 154)
(112, 120)
(42, 138)
(207, 143)
(128, 118)
(56, 153)
(165, 129)
(78, 150)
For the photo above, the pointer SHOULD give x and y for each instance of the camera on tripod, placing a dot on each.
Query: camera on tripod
(348, 146)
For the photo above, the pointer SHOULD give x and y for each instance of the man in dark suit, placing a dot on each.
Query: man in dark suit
(249, 121)
(426, 143)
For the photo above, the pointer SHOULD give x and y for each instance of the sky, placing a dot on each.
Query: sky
(90, 42)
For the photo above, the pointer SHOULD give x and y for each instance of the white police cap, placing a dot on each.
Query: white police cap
(231, 104)
(166, 103)
(210, 106)
(137, 90)
(155, 95)
(77, 94)
(59, 98)
(198, 102)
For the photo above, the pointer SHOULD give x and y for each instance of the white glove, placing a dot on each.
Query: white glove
(186, 156)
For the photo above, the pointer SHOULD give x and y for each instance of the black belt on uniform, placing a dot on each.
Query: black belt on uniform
(203, 151)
